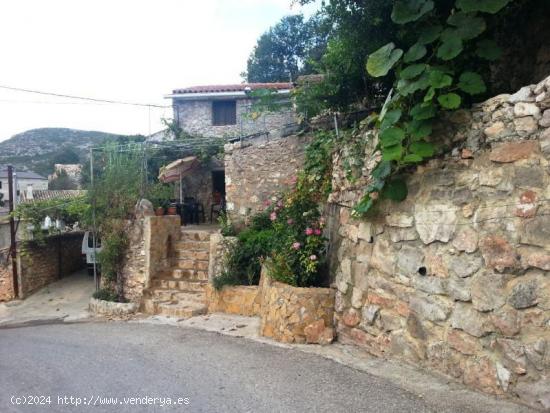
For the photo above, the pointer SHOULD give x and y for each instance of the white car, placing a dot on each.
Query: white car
(88, 251)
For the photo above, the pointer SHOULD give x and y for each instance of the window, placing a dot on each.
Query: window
(224, 112)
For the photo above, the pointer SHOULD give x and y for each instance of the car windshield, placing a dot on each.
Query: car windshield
(91, 241)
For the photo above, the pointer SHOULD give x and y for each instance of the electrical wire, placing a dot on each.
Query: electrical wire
(60, 95)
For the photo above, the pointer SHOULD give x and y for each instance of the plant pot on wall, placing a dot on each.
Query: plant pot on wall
(159, 211)
(172, 210)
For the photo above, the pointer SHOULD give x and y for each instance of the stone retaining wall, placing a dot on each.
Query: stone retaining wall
(42, 264)
(6, 276)
(151, 240)
(219, 248)
(257, 170)
(296, 315)
(457, 277)
(111, 308)
(240, 299)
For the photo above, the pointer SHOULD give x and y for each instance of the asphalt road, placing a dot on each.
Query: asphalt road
(96, 362)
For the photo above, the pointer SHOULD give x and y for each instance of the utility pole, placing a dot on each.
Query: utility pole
(13, 234)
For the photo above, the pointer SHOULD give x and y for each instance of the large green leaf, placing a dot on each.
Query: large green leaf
(422, 148)
(468, 26)
(380, 62)
(429, 34)
(406, 11)
(488, 49)
(420, 112)
(392, 153)
(417, 51)
(439, 79)
(363, 205)
(390, 118)
(471, 83)
(428, 97)
(396, 190)
(487, 6)
(407, 87)
(449, 100)
(412, 71)
(419, 129)
(412, 158)
(382, 170)
(450, 48)
(391, 136)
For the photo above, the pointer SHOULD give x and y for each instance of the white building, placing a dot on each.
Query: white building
(24, 181)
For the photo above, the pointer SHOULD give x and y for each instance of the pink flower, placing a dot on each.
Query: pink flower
(267, 202)
(293, 179)
(296, 246)
(273, 216)
(313, 257)
(290, 221)
(280, 204)
(309, 231)
(317, 231)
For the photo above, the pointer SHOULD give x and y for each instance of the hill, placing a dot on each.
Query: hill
(39, 149)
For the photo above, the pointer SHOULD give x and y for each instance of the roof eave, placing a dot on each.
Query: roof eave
(217, 95)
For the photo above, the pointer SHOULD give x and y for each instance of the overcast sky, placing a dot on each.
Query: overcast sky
(131, 50)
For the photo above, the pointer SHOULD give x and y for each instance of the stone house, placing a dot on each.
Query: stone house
(225, 112)
(221, 111)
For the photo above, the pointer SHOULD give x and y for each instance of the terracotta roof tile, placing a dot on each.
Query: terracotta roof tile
(233, 88)
(44, 195)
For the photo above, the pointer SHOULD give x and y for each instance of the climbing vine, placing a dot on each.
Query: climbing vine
(439, 67)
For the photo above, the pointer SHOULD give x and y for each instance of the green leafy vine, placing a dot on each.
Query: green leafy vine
(439, 67)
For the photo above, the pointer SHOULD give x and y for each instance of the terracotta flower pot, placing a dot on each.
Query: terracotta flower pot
(159, 211)
(172, 210)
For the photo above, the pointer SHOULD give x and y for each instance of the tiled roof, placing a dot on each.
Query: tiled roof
(44, 195)
(233, 88)
(21, 174)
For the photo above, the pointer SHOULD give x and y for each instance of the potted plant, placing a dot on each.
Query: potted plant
(172, 210)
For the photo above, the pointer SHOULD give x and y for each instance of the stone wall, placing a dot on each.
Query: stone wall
(240, 299)
(151, 240)
(296, 315)
(457, 277)
(41, 264)
(6, 276)
(256, 170)
(195, 118)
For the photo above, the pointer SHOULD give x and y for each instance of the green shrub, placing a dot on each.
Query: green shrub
(105, 294)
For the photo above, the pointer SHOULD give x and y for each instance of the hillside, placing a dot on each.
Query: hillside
(39, 149)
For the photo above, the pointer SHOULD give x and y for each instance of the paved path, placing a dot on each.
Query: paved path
(215, 373)
(65, 299)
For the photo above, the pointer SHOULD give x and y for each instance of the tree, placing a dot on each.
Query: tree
(62, 181)
(287, 49)
(66, 156)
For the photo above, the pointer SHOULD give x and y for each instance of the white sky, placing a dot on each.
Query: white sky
(132, 50)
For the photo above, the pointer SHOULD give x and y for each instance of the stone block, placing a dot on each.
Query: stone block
(513, 151)
(430, 308)
(498, 253)
(464, 343)
(487, 291)
(466, 240)
(435, 221)
(464, 265)
(480, 373)
(466, 318)
(409, 260)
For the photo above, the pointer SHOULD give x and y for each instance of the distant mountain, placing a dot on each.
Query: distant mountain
(39, 149)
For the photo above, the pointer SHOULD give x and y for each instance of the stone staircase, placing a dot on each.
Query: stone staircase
(179, 292)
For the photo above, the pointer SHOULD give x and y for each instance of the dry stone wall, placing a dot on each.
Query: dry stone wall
(457, 277)
(257, 170)
(6, 276)
(151, 242)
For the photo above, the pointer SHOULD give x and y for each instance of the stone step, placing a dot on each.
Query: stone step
(188, 264)
(175, 295)
(186, 245)
(185, 274)
(193, 254)
(182, 308)
(181, 285)
(194, 235)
